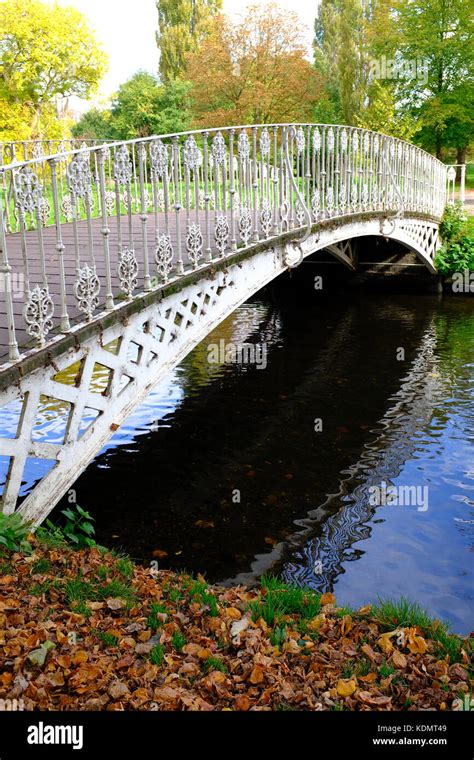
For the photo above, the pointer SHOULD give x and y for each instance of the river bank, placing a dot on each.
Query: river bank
(90, 630)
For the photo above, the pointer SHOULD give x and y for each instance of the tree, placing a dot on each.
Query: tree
(142, 107)
(93, 125)
(183, 25)
(253, 71)
(342, 54)
(48, 52)
(349, 36)
(381, 114)
(439, 32)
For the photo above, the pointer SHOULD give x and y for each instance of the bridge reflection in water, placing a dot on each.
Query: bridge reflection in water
(402, 422)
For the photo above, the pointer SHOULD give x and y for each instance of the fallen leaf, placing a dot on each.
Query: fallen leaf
(416, 643)
(399, 659)
(328, 598)
(369, 678)
(346, 624)
(159, 553)
(373, 699)
(204, 524)
(242, 703)
(38, 656)
(457, 672)
(346, 687)
(238, 627)
(384, 643)
(256, 675)
(233, 613)
(118, 690)
(115, 604)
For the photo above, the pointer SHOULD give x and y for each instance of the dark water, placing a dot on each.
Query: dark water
(168, 479)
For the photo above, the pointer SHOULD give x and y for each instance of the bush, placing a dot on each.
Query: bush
(453, 222)
(78, 529)
(14, 533)
(457, 253)
(457, 256)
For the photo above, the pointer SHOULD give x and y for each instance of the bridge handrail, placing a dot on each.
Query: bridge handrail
(90, 144)
(204, 192)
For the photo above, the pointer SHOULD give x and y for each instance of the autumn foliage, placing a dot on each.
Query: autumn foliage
(87, 630)
(253, 71)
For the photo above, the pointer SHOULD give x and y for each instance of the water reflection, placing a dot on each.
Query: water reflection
(169, 477)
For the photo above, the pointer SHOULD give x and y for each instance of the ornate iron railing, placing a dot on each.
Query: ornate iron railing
(451, 177)
(129, 216)
(26, 150)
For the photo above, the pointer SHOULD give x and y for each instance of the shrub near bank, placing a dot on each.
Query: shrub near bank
(457, 235)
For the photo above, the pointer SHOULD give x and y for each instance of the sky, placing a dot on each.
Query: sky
(127, 32)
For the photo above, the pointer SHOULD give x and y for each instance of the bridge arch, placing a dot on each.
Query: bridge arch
(126, 255)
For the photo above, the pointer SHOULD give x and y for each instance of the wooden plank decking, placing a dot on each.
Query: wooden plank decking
(15, 255)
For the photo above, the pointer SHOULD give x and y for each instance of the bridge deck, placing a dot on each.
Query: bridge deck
(15, 256)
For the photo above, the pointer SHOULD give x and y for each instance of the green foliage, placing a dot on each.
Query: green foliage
(125, 567)
(402, 612)
(157, 654)
(183, 24)
(456, 257)
(41, 566)
(281, 599)
(48, 51)
(81, 608)
(457, 253)
(440, 33)
(406, 614)
(93, 125)
(78, 529)
(153, 621)
(142, 107)
(107, 639)
(178, 640)
(79, 590)
(51, 535)
(38, 589)
(214, 663)
(116, 589)
(386, 669)
(14, 533)
(453, 223)
(278, 635)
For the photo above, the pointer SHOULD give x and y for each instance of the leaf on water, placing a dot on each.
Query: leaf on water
(204, 524)
(159, 553)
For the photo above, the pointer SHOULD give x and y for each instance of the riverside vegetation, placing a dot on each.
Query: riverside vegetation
(84, 628)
